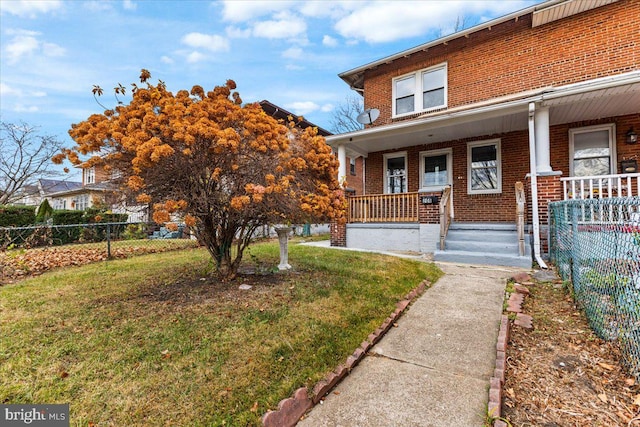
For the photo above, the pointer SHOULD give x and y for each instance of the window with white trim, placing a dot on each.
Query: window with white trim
(395, 173)
(423, 90)
(592, 150)
(352, 165)
(82, 202)
(436, 169)
(89, 175)
(484, 167)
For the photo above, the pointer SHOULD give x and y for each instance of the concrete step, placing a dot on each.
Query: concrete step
(484, 243)
(486, 246)
(466, 257)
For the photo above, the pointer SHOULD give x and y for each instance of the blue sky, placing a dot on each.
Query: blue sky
(288, 52)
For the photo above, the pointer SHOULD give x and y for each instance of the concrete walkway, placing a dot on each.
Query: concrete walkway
(434, 368)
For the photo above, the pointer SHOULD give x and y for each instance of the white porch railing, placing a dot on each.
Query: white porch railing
(601, 187)
(521, 203)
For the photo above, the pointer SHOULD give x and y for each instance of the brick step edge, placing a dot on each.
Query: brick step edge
(514, 305)
(291, 409)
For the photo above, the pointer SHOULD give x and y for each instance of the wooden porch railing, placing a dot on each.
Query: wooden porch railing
(520, 205)
(401, 207)
(445, 215)
(601, 187)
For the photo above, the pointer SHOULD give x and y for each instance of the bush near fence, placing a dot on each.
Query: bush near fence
(595, 244)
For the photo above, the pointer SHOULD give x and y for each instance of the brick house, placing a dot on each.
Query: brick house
(548, 96)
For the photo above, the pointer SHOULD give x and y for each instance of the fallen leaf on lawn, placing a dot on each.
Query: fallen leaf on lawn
(336, 392)
(636, 401)
(165, 354)
(511, 393)
(603, 397)
(64, 374)
(254, 408)
(630, 381)
(606, 366)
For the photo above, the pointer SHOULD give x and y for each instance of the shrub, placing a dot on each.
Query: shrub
(17, 216)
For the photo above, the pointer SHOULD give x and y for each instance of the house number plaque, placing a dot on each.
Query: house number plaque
(429, 200)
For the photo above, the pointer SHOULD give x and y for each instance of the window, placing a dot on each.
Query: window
(352, 165)
(59, 204)
(82, 202)
(592, 150)
(89, 175)
(420, 91)
(436, 169)
(395, 173)
(484, 167)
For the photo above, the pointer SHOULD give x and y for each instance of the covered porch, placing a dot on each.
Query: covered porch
(477, 154)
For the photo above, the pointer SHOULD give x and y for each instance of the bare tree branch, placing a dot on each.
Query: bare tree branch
(24, 156)
(344, 116)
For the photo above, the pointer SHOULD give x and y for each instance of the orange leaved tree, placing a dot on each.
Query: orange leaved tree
(227, 169)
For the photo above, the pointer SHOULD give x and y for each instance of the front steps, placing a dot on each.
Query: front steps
(484, 243)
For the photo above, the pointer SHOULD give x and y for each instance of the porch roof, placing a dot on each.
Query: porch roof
(599, 98)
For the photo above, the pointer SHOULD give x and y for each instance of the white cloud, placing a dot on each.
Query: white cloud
(293, 67)
(329, 41)
(326, 108)
(238, 33)
(293, 53)
(20, 46)
(52, 49)
(19, 108)
(194, 57)
(30, 8)
(6, 90)
(97, 6)
(129, 5)
(283, 26)
(39, 93)
(26, 43)
(166, 59)
(302, 107)
(240, 11)
(214, 43)
(395, 20)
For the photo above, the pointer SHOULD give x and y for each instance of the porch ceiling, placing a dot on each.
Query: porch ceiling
(566, 106)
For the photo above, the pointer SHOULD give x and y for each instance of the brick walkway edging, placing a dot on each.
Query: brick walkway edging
(514, 305)
(291, 409)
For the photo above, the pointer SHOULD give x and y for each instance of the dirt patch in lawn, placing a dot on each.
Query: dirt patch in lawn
(561, 374)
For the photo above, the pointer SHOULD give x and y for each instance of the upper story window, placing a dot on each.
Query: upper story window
(89, 175)
(423, 90)
(484, 167)
(592, 150)
(352, 165)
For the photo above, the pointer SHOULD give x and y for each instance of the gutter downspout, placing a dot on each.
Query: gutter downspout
(534, 188)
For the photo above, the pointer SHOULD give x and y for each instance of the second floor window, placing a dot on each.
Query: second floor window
(423, 90)
(90, 175)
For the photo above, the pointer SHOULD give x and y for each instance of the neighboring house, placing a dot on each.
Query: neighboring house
(354, 179)
(94, 189)
(548, 96)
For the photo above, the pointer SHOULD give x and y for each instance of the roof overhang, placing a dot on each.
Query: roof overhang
(595, 99)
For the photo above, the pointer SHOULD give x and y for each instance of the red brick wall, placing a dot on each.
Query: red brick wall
(515, 166)
(513, 57)
(338, 234)
(354, 182)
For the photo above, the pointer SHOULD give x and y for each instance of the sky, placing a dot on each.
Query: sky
(52, 52)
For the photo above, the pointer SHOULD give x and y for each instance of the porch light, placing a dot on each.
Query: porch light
(632, 137)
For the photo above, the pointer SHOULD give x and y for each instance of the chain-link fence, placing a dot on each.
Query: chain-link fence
(595, 244)
(32, 250)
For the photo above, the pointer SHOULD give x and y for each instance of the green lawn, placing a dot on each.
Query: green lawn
(152, 340)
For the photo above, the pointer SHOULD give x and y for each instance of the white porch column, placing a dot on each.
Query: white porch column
(342, 169)
(543, 152)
